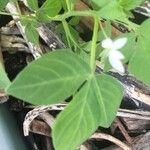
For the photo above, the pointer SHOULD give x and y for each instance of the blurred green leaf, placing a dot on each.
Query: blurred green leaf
(113, 10)
(33, 4)
(32, 34)
(101, 3)
(49, 9)
(130, 4)
(3, 4)
(140, 62)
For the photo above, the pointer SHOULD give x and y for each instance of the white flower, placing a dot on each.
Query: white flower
(113, 54)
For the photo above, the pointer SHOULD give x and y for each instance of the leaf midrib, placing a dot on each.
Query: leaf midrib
(50, 81)
(100, 99)
(81, 113)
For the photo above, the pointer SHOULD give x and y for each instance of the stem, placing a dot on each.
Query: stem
(103, 31)
(68, 5)
(94, 43)
(73, 40)
(72, 6)
(72, 13)
(17, 5)
(69, 35)
(18, 15)
(65, 25)
(8, 14)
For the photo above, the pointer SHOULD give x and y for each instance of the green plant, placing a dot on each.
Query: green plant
(63, 73)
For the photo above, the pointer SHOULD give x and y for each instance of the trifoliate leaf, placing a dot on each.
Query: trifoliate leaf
(94, 105)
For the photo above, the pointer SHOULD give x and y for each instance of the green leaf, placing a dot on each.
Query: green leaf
(4, 81)
(140, 62)
(33, 4)
(50, 79)
(86, 48)
(64, 6)
(95, 104)
(3, 4)
(30, 21)
(49, 9)
(130, 4)
(101, 3)
(73, 32)
(32, 34)
(112, 10)
(60, 30)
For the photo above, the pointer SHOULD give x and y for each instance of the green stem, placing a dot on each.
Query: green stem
(72, 6)
(94, 44)
(103, 31)
(9, 14)
(68, 5)
(69, 35)
(18, 15)
(72, 13)
(18, 7)
(65, 25)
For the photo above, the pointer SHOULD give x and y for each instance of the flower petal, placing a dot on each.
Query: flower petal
(107, 43)
(116, 54)
(115, 61)
(119, 43)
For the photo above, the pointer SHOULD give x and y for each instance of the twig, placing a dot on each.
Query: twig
(138, 112)
(110, 138)
(144, 9)
(140, 142)
(10, 30)
(35, 49)
(50, 38)
(123, 131)
(49, 119)
(39, 127)
(122, 113)
(31, 115)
